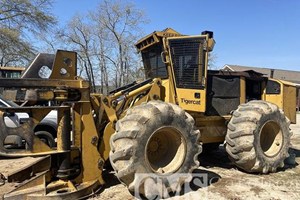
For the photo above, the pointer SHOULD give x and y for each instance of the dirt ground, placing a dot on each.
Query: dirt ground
(224, 180)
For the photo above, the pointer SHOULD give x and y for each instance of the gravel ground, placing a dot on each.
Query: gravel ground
(224, 180)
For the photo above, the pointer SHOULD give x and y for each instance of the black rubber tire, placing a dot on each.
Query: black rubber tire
(129, 144)
(46, 137)
(258, 137)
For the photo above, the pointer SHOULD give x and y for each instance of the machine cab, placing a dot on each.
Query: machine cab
(182, 62)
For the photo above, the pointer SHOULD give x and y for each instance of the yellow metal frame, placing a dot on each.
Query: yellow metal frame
(77, 142)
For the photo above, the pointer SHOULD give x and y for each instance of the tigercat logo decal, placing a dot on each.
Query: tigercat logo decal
(187, 101)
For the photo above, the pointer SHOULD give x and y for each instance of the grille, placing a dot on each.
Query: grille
(188, 62)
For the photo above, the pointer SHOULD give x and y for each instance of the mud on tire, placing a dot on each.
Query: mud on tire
(258, 137)
(157, 138)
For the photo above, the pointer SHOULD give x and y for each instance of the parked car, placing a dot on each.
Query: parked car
(46, 130)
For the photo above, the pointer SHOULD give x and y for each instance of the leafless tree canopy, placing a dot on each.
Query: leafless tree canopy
(212, 57)
(104, 41)
(18, 19)
(103, 38)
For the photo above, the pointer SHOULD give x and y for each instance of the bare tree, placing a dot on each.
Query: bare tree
(19, 19)
(212, 57)
(30, 15)
(101, 50)
(121, 22)
(104, 41)
(13, 49)
(79, 34)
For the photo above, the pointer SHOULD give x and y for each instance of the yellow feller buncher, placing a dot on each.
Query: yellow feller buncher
(157, 126)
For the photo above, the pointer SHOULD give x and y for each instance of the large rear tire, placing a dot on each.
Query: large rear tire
(154, 138)
(258, 137)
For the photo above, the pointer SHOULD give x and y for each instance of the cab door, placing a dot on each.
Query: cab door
(188, 57)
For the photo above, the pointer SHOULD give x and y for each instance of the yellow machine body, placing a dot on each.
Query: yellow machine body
(176, 68)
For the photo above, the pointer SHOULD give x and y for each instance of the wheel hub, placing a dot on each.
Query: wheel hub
(153, 146)
(271, 138)
(165, 150)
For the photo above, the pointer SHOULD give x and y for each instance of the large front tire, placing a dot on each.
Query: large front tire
(258, 137)
(154, 138)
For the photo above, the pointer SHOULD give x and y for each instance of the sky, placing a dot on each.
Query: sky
(258, 33)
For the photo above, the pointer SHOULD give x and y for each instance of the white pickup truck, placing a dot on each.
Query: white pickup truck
(46, 130)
